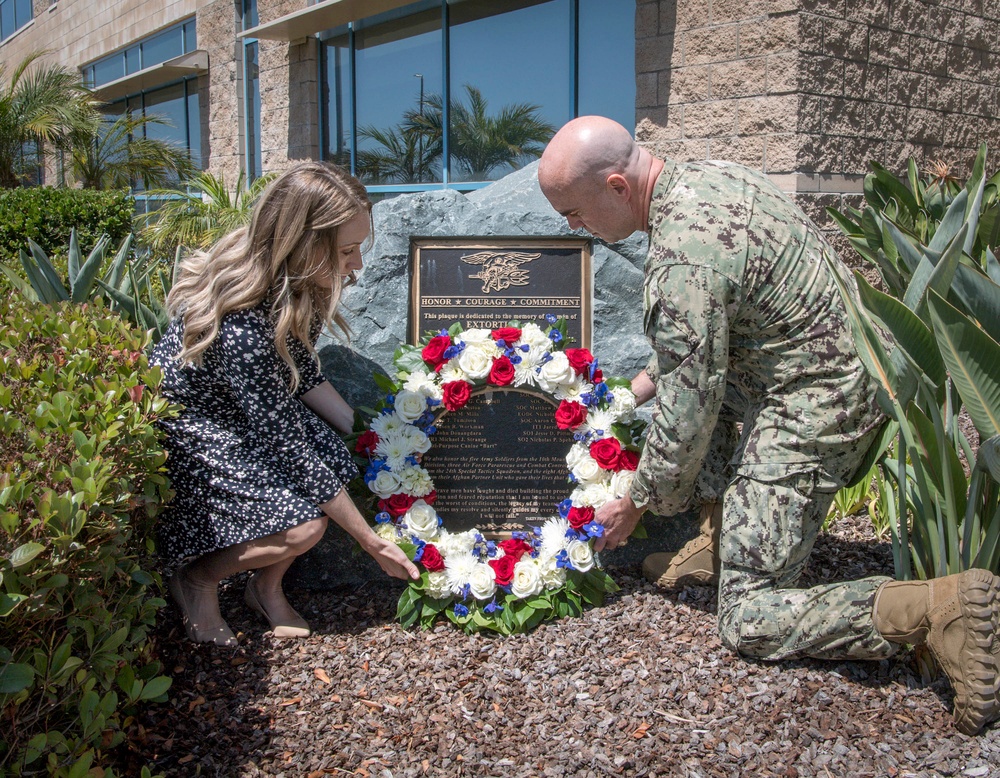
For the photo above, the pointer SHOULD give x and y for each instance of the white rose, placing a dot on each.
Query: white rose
(422, 520)
(580, 555)
(482, 582)
(621, 483)
(623, 406)
(437, 584)
(425, 383)
(527, 580)
(475, 335)
(593, 495)
(577, 453)
(410, 406)
(553, 576)
(417, 439)
(587, 471)
(385, 485)
(555, 372)
(457, 544)
(475, 362)
(532, 335)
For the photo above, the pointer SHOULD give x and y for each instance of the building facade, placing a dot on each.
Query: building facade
(808, 91)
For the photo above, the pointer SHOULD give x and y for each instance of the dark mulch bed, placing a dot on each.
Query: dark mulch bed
(641, 686)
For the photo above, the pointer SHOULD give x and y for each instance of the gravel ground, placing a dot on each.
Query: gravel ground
(641, 686)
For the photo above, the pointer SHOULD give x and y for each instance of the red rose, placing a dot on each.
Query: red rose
(570, 415)
(515, 548)
(397, 504)
(508, 335)
(502, 372)
(431, 497)
(456, 394)
(606, 452)
(431, 560)
(579, 359)
(577, 517)
(366, 443)
(503, 569)
(629, 460)
(597, 377)
(433, 353)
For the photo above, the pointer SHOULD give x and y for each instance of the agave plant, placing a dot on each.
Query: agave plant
(942, 308)
(136, 288)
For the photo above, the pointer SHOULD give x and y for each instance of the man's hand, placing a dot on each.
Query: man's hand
(618, 518)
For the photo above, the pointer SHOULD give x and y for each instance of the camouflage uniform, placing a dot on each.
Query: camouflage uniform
(747, 326)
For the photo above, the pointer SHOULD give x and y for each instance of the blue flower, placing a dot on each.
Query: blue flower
(536, 531)
(572, 479)
(442, 333)
(466, 591)
(432, 402)
(525, 348)
(461, 610)
(491, 548)
(517, 535)
(515, 359)
(572, 534)
(375, 467)
(562, 560)
(551, 318)
(593, 529)
(382, 518)
(390, 399)
(493, 607)
(501, 343)
(564, 507)
(412, 460)
(454, 350)
(593, 369)
(430, 430)
(419, 553)
(555, 336)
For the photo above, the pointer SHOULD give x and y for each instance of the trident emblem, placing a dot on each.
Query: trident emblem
(500, 269)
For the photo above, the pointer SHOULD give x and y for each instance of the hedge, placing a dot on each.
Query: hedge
(47, 216)
(82, 482)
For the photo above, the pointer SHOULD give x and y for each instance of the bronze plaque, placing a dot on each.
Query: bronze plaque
(487, 282)
(499, 463)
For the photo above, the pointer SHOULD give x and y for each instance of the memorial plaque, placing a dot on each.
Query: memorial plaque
(499, 463)
(486, 283)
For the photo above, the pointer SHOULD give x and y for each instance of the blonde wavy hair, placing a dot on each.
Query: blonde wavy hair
(280, 259)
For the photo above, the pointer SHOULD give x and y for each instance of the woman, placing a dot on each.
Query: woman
(255, 466)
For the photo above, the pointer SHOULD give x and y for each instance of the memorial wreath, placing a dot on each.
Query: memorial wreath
(547, 572)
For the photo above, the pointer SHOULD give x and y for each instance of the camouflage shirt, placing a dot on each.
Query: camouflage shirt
(743, 315)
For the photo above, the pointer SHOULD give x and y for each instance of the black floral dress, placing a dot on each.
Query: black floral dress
(246, 457)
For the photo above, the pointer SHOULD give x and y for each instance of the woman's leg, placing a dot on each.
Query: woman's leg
(196, 585)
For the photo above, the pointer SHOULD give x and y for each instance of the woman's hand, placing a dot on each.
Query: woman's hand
(392, 560)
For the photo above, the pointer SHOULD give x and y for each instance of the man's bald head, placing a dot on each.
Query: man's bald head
(587, 149)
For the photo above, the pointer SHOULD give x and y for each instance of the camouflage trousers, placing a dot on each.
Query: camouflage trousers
(768, 532)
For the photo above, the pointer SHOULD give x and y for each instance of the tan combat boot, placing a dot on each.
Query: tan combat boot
(957, 616)
(697, 562)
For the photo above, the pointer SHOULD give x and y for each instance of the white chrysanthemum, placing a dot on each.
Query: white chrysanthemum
(459, 569)
(395, 448)
(553, 537)
(476, 362)
(482, 582)
(437, 585)
(527, 580)
(416, 481)
(556, 372)
(592, 495)
(425, 383)
(452, 372)
(385, 485)
(621, 483)
(386, 423)
(587, 471)
(417, 439)
(410, 406)
(623, 406)
(599, 422)
(580, 555)
(553, 576)
(574, 390)
(532, 335)
(475, 335)
(422, 520)
(525, 370)
(459, 543)
(577, 453)
(387, 531)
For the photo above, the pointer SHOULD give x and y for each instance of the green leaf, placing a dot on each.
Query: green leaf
(15, 677)
(384, 383)
(53, 286)
(24, 553)
(973, 358)
(988, 457)
(981, 297)
(929, 275)
(953, 224)
(23, 287)
(82, 287)
(639, 533)
(155, 688)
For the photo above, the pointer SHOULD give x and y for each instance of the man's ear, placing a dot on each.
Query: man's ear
(618, 184)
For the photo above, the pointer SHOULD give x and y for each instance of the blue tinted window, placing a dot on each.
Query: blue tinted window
(22, 12)
(160, 48)
(607, 82)
(148, 52)
(193, 122)
(254, 158)
(7, 25)
(250, 17)
(133, 60)
(109, 69)
(190, 36)
(337, 101)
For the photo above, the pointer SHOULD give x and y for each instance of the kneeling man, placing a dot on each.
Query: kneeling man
(747, 325)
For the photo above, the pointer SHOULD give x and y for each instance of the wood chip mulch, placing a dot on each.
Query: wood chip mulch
(641, 686)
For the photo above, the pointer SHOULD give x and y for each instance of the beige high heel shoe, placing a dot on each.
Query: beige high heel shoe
(296, 627)
(220, 633)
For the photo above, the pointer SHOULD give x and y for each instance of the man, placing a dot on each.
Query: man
(746, 324)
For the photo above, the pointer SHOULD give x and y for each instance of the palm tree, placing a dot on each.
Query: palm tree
(119, 154)
(195, 219)
(40, 111)
(405, 157)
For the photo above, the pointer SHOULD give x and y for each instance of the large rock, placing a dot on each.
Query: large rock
(376, 309)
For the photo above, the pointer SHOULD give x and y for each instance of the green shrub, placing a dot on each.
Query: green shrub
(82, 480)
(48, 215)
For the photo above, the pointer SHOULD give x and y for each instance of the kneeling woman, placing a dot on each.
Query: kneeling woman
(253, 460)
